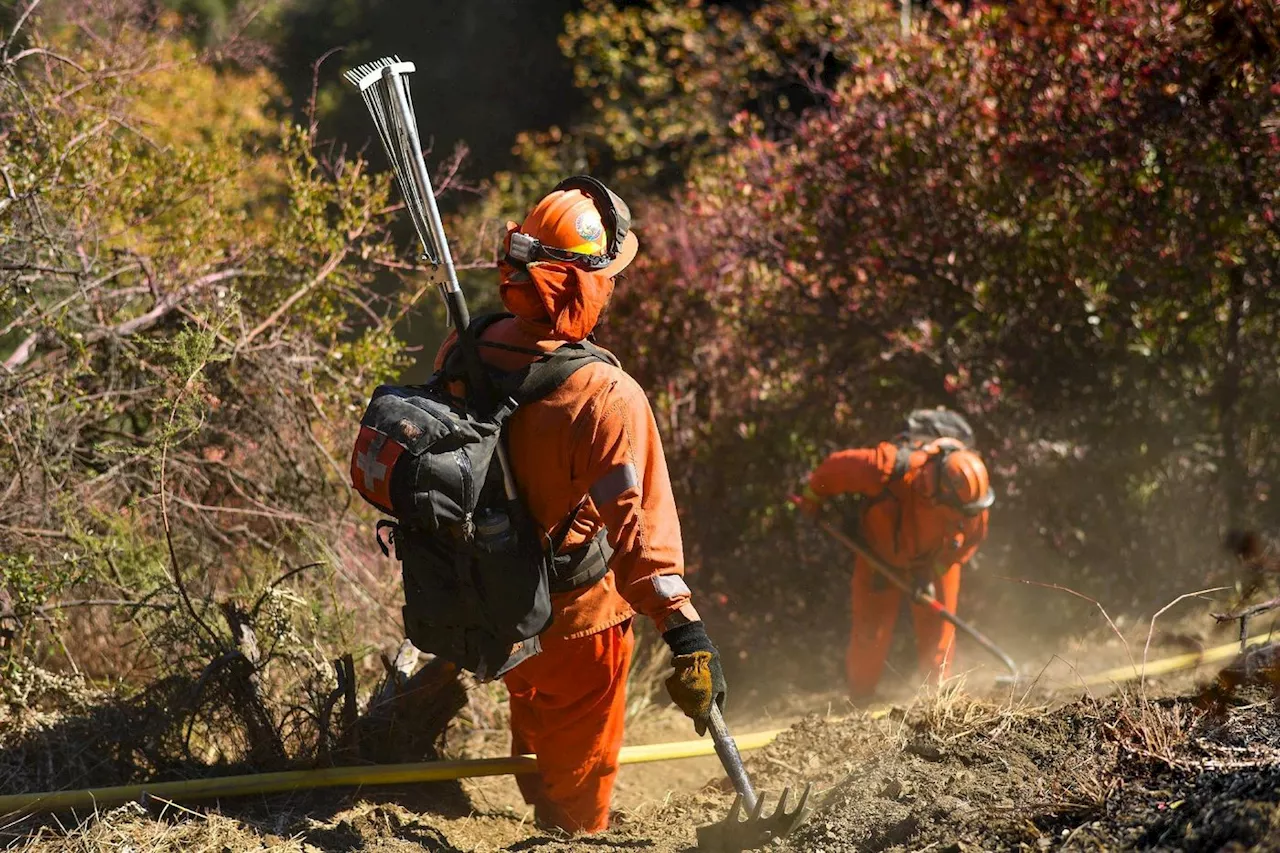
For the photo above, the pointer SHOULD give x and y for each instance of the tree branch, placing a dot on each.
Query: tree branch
(141, 323)
(164, 306)
(325, 271)
(1248, 611)
(17, 27)
(22, 353)
(40, 51)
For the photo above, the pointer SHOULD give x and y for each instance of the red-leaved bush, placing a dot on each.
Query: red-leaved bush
(1058, 218)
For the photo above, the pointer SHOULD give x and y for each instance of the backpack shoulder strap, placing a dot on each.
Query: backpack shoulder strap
(901, 462)
(550, 372)
(453, 367)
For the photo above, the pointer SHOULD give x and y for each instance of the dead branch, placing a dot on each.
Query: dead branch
(1151, 630)
(1248, 612)
(1080, 595)
(257, 605)
(408, 714)
(312, 123)
(21, 353)
(44, 609)
(168, 532)
(164, 306)
(40, 51)
(266, 749)
(325, 271)
(17, 28)
(35, 532)
(278, 515)
(141, 323)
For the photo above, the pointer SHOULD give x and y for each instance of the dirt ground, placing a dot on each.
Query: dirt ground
(1045, 766)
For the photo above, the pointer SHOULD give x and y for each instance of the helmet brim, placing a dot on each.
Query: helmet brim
(983, 503)
(626, 254)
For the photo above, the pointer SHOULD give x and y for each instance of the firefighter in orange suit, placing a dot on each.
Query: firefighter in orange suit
(592, 444)
(924, 513)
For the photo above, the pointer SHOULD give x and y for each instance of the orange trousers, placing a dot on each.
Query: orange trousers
(875, 612)
(568, 705)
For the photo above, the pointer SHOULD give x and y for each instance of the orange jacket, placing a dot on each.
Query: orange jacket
(906, 528)
(595, 436)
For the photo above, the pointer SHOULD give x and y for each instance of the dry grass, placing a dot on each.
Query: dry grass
(131, 827)
(947, 713)
(650, 664)
(1151, 730)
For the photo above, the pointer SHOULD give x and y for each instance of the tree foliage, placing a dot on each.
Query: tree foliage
(1056, 217)
(187, 326)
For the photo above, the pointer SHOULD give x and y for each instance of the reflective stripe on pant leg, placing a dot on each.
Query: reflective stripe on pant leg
(935, 636)
(874, 615)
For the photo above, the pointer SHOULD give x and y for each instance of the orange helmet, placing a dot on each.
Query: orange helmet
(580, 222)
(963, 481)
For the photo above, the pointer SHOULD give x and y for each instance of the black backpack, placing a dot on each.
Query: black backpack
(935, 430)
(477, 588)
(927, 425)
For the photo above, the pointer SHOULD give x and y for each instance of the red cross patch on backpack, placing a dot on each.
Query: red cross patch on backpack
(372, 460)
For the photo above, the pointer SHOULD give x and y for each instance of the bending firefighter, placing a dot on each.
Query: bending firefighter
(923, 507)
(592, 474)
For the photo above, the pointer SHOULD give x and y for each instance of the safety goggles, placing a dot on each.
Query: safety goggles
(614, 215)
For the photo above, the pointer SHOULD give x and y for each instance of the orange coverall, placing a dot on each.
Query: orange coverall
(911, 532)
(596, 436)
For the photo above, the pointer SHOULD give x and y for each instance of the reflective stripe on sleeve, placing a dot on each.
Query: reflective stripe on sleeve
(670, 586)
(614, 482)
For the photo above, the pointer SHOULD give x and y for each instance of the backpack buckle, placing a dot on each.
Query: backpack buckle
(393, 529)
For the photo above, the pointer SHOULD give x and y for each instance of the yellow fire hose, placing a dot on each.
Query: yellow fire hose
(438, 771)
(329, 777)
(1135, 671)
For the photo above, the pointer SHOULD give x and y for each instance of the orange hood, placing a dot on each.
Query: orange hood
(564, 296)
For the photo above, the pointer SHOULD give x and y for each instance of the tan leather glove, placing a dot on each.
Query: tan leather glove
(698, 679)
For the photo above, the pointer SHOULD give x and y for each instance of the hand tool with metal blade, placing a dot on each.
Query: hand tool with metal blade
(736, 832)
(919, 596)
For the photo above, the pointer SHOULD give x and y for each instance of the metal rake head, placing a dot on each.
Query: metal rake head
(750, 831)
(385, 89)
(364, 76)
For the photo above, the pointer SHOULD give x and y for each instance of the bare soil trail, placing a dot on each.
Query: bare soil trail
(1045, 766)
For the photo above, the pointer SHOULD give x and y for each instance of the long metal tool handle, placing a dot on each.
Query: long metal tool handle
(978, 637)
(455, 300)
(404, 148)
(730, 758)
(919, 596)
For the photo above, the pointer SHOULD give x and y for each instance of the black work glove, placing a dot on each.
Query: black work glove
(698, 679)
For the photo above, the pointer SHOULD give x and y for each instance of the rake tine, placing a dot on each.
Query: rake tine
(791, 821)
(366, 75)
(756, 812)
(745, 828)
(804, 798)
(735, 813)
